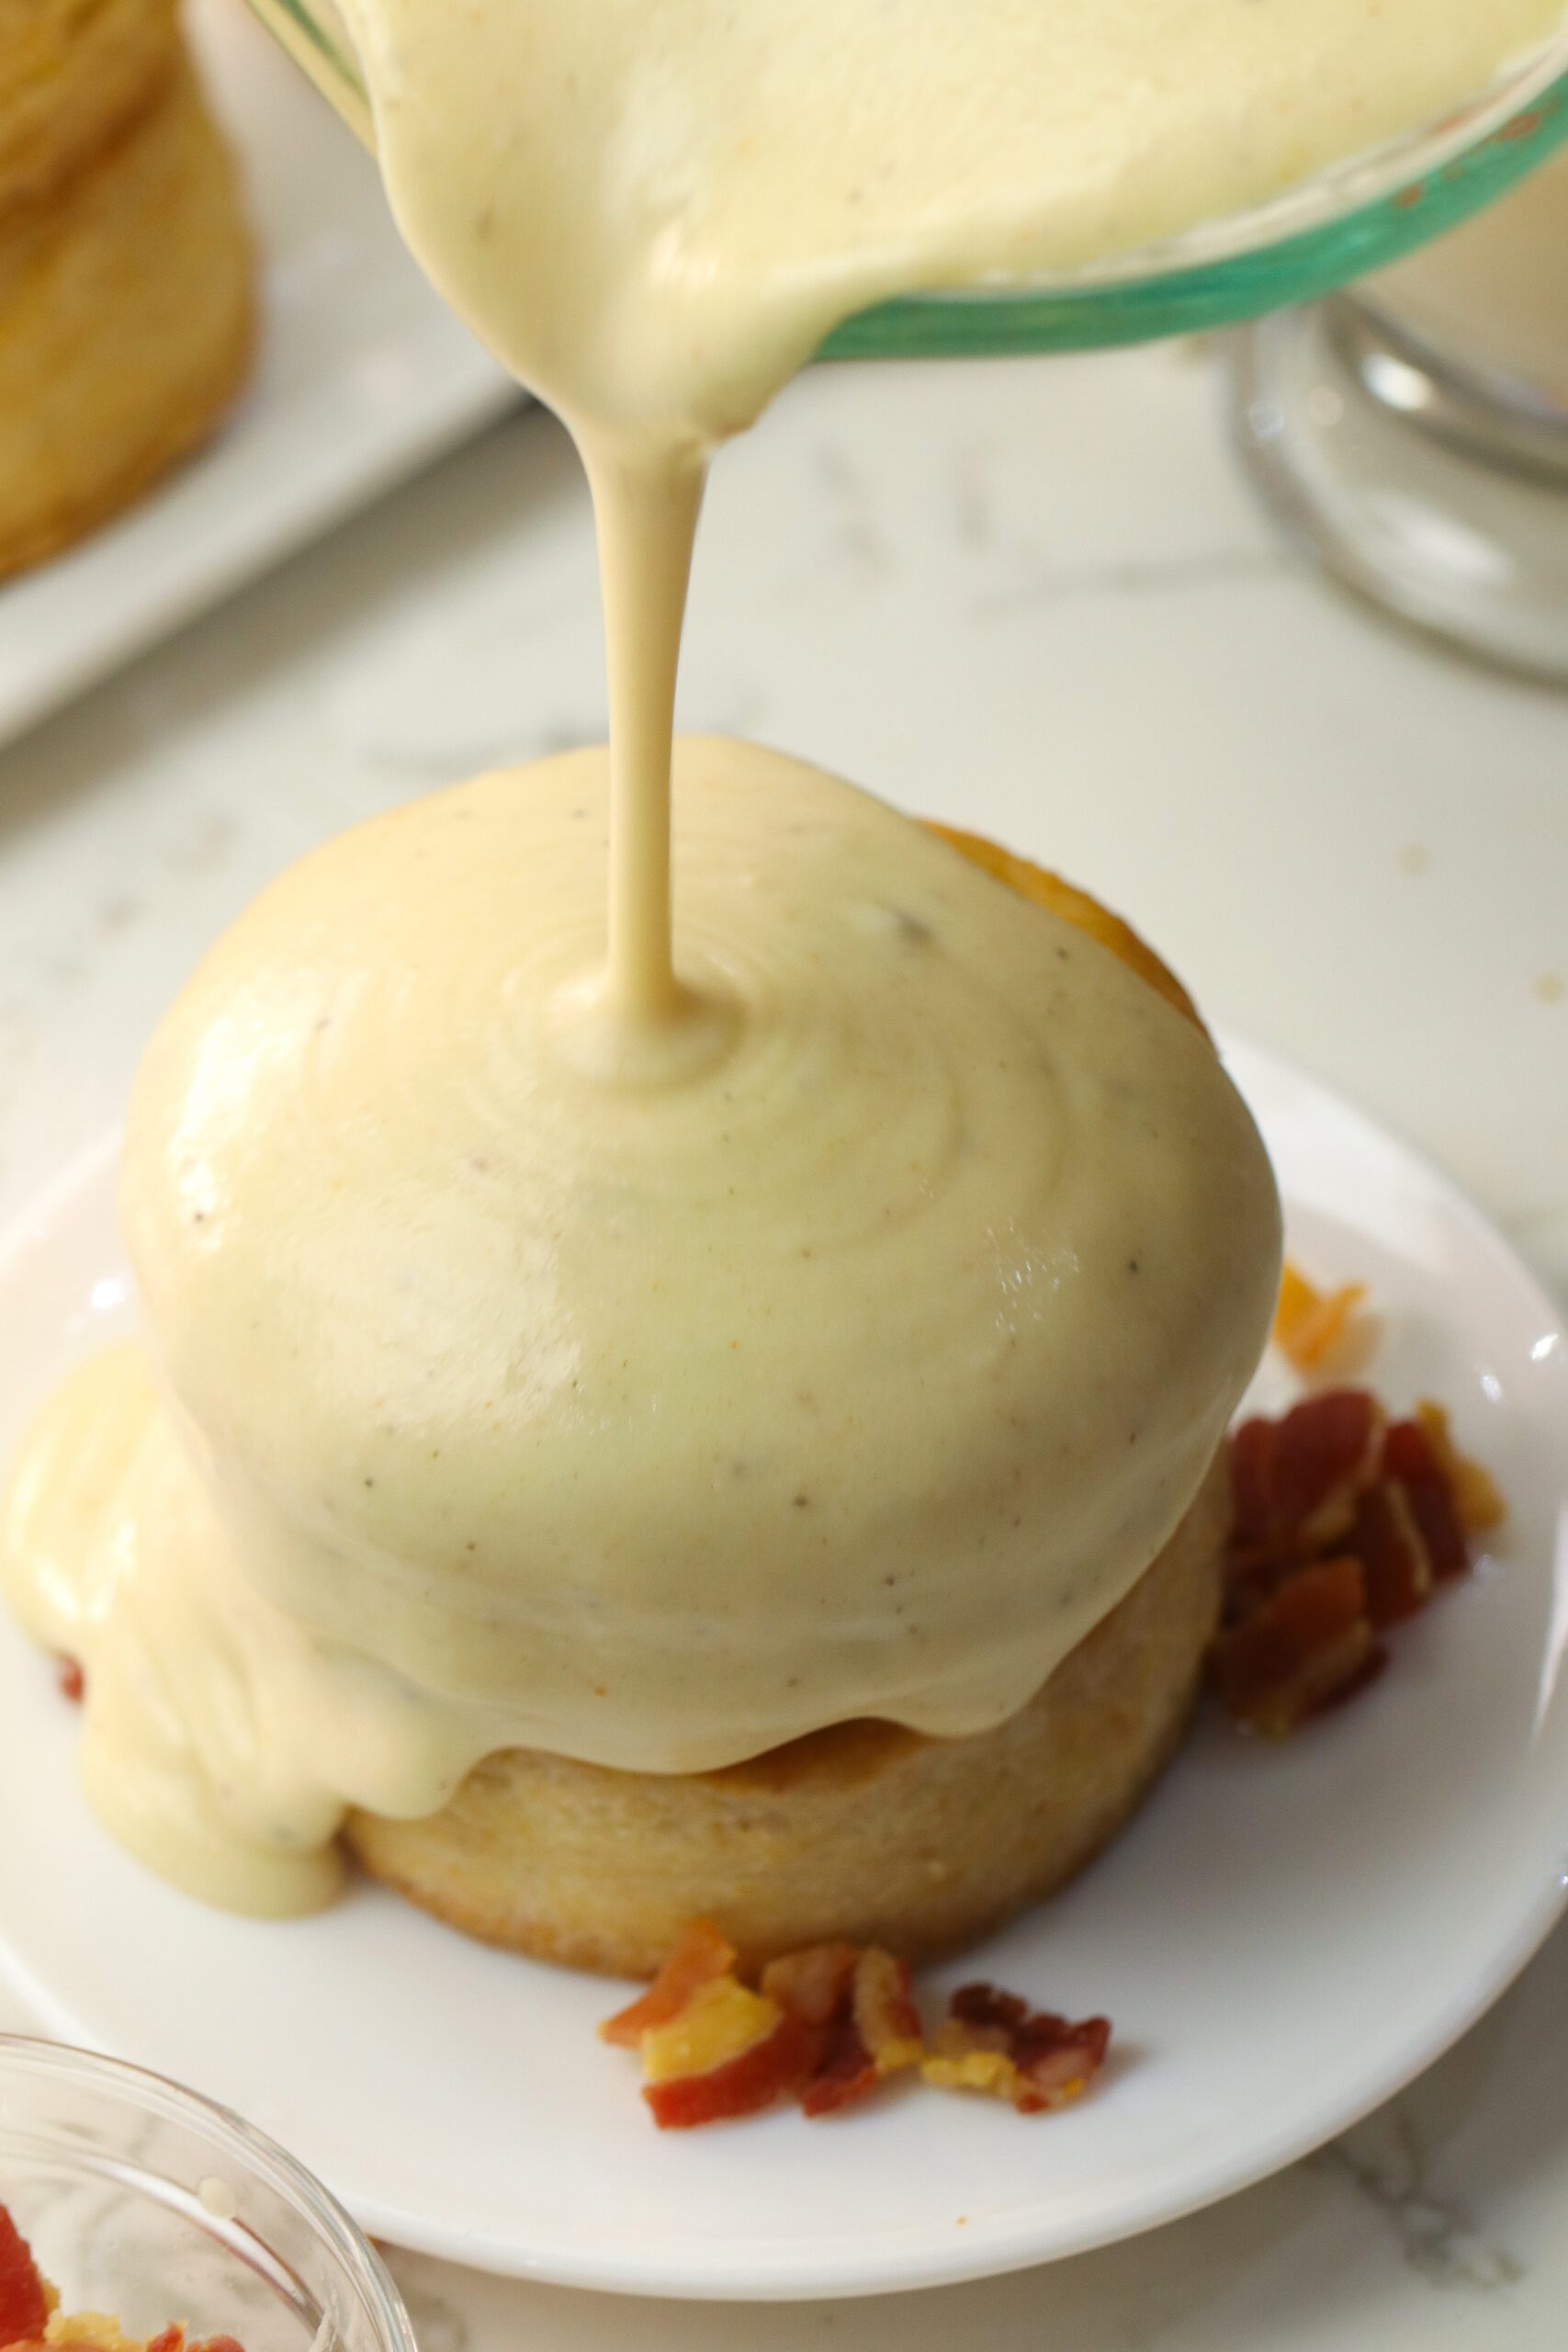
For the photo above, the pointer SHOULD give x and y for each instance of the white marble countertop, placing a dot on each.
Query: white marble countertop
(1031, 597)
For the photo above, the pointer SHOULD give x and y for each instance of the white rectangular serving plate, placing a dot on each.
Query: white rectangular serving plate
(363, 375)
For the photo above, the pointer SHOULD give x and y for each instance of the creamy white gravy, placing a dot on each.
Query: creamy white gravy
(856, 1369)
(559, 1343)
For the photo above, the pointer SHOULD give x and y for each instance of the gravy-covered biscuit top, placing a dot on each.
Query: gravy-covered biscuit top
(846, 1349)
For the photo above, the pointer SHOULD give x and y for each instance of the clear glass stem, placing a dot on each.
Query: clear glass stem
(1433, 483)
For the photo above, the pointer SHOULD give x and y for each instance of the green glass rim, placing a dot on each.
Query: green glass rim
(312, 30)
(303, 29)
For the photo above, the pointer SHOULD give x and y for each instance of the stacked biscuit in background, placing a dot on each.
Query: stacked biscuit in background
(126, 317)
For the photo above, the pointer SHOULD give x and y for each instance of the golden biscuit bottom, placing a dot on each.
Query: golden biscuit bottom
(73, 75)
(865, 1832)
(127, 324)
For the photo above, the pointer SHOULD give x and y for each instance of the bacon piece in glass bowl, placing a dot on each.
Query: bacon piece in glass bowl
(30, 2321)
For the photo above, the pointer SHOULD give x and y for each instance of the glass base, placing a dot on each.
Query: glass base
(1439, 493)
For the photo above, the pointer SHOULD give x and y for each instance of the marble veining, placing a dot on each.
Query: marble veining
(1160, 576)
(1387, 2163)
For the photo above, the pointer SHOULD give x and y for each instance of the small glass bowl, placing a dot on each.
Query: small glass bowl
(143, 2201)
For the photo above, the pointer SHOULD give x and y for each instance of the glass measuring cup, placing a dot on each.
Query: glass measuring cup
(1363, 214)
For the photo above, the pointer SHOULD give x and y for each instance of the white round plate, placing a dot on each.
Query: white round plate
(1284, 1938)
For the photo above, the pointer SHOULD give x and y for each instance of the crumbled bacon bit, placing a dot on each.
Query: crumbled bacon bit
(23, 2299)
(830, 2023)
(1307, 1643)
(969, 2058)
(1396, 1565)
(845, 2074)
(995, 2045)
(1344, 1524)
(73, 1681)
(722, 2020)
(1057, 2071)
(780, 2060)
(1408, 1459)
(700, 1958)
(1295, 1481)
(1317, 1330)
(985, 2005)
(1476, 1494)
(821, 1985)
(872, 2033)
(814, 1984)
(885, 2017)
